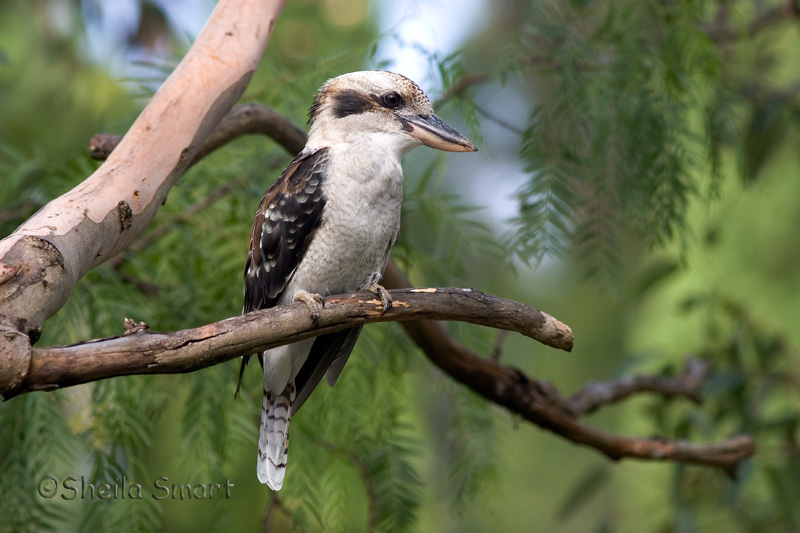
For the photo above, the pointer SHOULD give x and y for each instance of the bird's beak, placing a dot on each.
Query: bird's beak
(436, 133)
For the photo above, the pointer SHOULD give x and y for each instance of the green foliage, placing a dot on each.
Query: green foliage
(628, 98)
(610, 142)
(470, 450)
(19, 193)
(30, 449)
(119, 438)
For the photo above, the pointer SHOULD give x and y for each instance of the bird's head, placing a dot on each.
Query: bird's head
(380, 103)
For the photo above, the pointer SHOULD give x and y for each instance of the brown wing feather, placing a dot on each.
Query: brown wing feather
(284, 225)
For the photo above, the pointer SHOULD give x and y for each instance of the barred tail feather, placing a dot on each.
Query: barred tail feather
(273, 440)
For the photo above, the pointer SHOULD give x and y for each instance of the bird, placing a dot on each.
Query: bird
(327, 226)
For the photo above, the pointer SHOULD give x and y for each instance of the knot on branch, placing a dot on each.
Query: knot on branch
(102, 144)
(132, 327)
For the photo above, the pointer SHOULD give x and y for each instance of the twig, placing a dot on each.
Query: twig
(186, 215)
(240, 120)
(595, 395)
(460, 86)
(497, 349)
(499, 121)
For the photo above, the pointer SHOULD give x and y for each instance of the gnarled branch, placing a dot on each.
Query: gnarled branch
(142, 352)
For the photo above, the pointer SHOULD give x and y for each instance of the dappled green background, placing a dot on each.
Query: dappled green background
(655, 166)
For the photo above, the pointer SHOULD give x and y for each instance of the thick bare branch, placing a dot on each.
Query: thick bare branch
(197, 348)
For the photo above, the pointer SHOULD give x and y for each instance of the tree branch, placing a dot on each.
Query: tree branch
(193, 349)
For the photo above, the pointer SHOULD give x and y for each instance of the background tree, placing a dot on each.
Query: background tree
(658, 202)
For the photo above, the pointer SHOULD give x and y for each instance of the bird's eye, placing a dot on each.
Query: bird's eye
(392, 100)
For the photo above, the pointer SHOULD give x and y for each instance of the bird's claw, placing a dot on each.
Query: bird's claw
(314, 302)
(379, 291)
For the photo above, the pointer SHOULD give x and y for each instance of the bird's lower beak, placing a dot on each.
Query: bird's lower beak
(436, 133)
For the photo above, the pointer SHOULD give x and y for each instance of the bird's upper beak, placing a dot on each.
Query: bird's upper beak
(436, 133)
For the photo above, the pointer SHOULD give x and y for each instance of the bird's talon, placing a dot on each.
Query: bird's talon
(384, 296)
(314, 302)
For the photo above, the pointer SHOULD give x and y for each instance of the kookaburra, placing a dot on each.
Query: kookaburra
(327, 225)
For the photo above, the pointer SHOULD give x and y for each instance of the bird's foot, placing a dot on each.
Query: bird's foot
(313, 301)
(379, 291)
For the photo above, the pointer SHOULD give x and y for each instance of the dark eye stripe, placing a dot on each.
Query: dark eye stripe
(350, 102)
